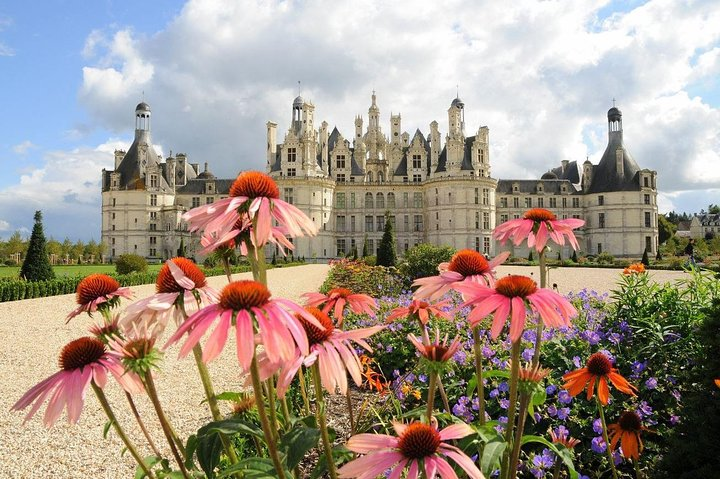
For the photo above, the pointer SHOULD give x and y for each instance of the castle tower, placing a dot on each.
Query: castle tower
(455, 141)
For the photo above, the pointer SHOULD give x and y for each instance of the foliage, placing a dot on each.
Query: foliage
(666, 229)
(361, 278)
(605, 257)
(387, 255)
(574, 257)
(36, 266)
(645, 260)
(693, 447)
(366, 247)
(130, 263)
(422, 260)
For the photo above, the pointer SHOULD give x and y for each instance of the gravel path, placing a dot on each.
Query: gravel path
(33, 333)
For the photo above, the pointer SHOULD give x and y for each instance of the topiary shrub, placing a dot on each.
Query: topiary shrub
(422, 260)
(36, 266)
(130, 263)
(574, 257)
(605, 258)
(386, 255)
(645, 260)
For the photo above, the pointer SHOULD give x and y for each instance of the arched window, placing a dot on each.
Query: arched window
(370, 177)
(368, 200)
(380, 201)
(391, 200)
(381, 177)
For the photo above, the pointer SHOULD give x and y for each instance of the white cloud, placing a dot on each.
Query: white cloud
(24, 147)
(4, 225)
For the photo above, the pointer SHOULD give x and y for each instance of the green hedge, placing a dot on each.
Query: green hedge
(16, 289)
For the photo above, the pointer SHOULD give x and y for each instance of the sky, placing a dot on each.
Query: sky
(540, 74)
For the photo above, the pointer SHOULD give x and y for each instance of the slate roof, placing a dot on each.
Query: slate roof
(132, 176)
(196, 186)
(606, 177)
(505, 187)
(571, 172)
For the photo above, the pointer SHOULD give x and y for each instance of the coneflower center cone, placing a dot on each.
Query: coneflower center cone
(630, 421)
(539, 214)
(95, 286)
(165, 282)
(515, 286)
(254, 184)
(468, 262)
(419, 440)
(599, 365)
(340, 292)
(244, 294)
(316, 335)
(435, 352)
(81, 352)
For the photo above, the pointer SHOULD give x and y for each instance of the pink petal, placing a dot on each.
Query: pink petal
(178, 275)
(456, 431)
(517, 322)
(370, 466)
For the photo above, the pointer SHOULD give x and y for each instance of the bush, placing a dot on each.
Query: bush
(605, 258)
(422, 260)
(36, 266)
(645, 260)
(130, 263)
(386, 255)
(359, 277)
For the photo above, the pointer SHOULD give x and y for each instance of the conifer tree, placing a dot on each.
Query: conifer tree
(366, 247)
(181, 249)
(574, 257)
(645, 260)
(386, 252)
(36, 266)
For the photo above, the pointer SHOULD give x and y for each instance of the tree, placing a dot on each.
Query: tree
(16, 244)
(422, 260)
(574, 257)
(666, 229)
(645, 260)
(713, 209)
(386, 252)
(181, 249)
(366, 247)
(36, 266)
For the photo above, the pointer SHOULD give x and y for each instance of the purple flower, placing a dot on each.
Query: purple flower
(422, 378)
(651, 383)
(527, 354)
(644, 409)
(504, 387)
(552, 410)
(598, 445)
(674, 419)
(576, 361)
(597, 426)
(504, 403)
(676, 394)
(494, 393)
(550, 390)
(564, 397)
(563, 413)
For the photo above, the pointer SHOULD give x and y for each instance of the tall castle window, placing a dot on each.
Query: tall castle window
(417, 161)
(553, 202)
(647, 199)
(341, 177)
(369, 224)
(477, 196)
(418, 223)
(340, 161)
(380, 201)
(289, 195)
(391, 200)
(153, 200)
(417, 178)
(601, 220)
(486, 196)
(291, 172)
(648, 222)
(417, 200)
(576, 202)
(486, 221)
(291, 155)
(153, 181)
(368, 200)
(195, 201)
(601, 200)
(340, 200)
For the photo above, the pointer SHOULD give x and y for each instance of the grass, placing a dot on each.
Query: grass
(72, 270)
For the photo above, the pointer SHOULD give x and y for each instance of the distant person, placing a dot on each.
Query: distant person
(690, 251)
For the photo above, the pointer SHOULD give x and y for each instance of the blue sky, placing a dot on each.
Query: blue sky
(541, 75)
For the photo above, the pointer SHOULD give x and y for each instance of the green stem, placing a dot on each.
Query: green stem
(479, 374)
(113, 420)
(269, 438)
(140, 422)
(539, 329)
(320, 414)
(272, 407)
(286, 412)
(212, 401)
(351, 416)
(256, 257)
(605, 437)
(638, 474)
(432, 385)
(226, 267)
(170, 435)
(303, 391)
(522, 416)
(514, 374)
(556, 469)
(443, 395)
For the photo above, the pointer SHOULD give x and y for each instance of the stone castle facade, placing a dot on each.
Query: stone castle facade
(434, 190)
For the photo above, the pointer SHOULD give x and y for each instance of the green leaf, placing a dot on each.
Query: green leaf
(563, 453)
(150, 461)
(340, 454)
(491, 456)
(190, 448)
(106, 429)
(253, 468)
(229, 396)
(298, 441)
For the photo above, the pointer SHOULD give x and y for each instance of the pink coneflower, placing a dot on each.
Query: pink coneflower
(537, 225)
(333, 351)
(437, 351)
(563, 437)
(465, 265)
(416, 445)
(97, 291)
(179, 279)
(247, 306)
(420, 310)
(253, 196)
(233, 238)
(81, 361)
(338, 298)
(511, 296)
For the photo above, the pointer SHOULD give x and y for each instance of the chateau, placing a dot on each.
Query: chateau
(434, 191)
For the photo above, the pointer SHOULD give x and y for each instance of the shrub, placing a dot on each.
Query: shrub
(130, 263)
(36, 266)
(361, 278)
(605, 258)
(422, 260)
(645, 260)
(386, 252)
(574, 257)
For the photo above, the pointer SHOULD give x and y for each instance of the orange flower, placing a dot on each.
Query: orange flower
(598, 369)
(717, 383)
(635, 268)
(627, 432)
(562, 437)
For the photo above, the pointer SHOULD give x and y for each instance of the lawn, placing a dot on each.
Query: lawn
(72, 270)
